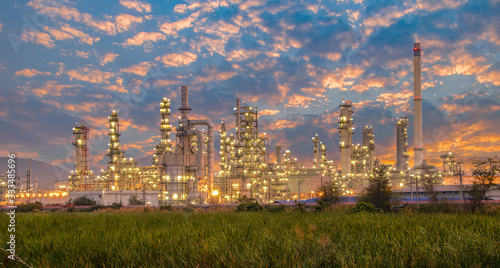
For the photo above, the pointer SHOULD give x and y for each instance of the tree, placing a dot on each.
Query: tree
(378, 192)
(429, 181)
(484, 174)
(83, 201)
(134, 201)
(329, 192)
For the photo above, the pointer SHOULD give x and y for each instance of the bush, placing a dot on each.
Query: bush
(274, 208)
(134, 201)
(29, 207)
(300, 206)
(83, 201)
(250, 206)
(321, 206)
(167, 207)
(71, 209)
(188, 209)
(364, 207)
(116, 205)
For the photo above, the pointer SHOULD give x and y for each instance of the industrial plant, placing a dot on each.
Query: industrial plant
(183, 169)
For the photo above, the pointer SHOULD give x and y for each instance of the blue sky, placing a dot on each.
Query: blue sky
(64, 61)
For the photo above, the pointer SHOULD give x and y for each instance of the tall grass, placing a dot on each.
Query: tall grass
(256, 239)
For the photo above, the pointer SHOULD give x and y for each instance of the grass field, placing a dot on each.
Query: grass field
(256, 239)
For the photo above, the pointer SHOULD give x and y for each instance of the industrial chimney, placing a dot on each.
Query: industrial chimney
(417, 104)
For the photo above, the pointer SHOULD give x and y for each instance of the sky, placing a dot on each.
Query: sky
(63, 62)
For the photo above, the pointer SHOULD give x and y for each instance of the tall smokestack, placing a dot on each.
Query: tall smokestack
(417, 104)
(184, 108)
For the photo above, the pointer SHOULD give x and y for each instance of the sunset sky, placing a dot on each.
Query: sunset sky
(65, 61)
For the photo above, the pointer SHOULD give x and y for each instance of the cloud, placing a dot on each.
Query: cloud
(82, 54)
(37, 37)
(268, 112)
(57, 9)
(137, 5)
(433, 5)
(52, 88)
(144, 37)
(242, 54)
(124, 21)
(1, 26)
(176, 59)
(30, 73)
(118, 86)
(90, 75)
(66, 32)
(171, 28)
(492, 76)
(110, 57)
(180, 8)
(299, 101)
(140, 69)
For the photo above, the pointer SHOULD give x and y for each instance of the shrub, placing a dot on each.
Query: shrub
(29, 207)
(116, 205)
(83, 201)
(250, 206)
(134, 201)
(364, 207)
(274, 208)
(167, 207)
(321, 206)
(188, 209)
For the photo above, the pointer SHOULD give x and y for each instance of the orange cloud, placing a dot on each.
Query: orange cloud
(214, 76)
(492, 76)
(176, 60)
(124, 21)
(144, 37)
(66, 32)
(399, 99)
(118, 86)
(433, 5)
(138, 69)
(284, 123)
(110, 57)
(137, 5)
(171, 28)
(241, 54)
(37, 37)
(370, 82)
(30, 73)
(299, 101)
(51, 88)
(91, 76)
(268, 112)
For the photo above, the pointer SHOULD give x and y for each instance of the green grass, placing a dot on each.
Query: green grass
(256, 239)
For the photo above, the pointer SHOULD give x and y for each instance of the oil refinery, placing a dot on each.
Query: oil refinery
(183, 169)
(185, 172)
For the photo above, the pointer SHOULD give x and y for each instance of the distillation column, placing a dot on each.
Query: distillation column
(402, 144)
(165, 144)
(346, 130)
(369, 144)
(114, 151)
(417, 103)
(80, 175)
(316, 151)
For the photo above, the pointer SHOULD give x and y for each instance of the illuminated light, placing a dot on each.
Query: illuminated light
(51, 194)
